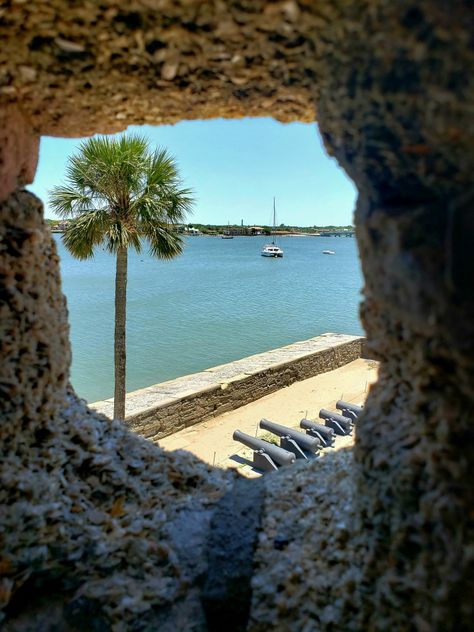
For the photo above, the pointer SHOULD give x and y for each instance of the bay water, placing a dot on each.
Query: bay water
(219, 301)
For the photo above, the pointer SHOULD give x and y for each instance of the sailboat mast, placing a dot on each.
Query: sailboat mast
(274, 222)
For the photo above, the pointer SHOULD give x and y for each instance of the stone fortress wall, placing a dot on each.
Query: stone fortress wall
(101, 529)
(159, 410)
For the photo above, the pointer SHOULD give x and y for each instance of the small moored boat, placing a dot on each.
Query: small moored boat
(329, 252)
(226, 234)
(271, 250)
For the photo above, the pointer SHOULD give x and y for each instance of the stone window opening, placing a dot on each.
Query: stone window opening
(100, 526)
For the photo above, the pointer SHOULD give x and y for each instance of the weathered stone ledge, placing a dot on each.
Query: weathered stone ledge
(159, 410)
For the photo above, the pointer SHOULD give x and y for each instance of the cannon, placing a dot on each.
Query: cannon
(292, 440)
(341, 425)
(352, 411)
(323, 433)
(266, 455)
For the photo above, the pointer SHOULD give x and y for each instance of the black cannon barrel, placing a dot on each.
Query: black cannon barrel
(324, 431)
(280, 456)
(328, 414)
(340, 424)
(342, 405)
(311, 444)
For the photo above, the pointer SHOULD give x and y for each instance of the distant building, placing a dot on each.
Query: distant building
(237, 230)
(59, 227)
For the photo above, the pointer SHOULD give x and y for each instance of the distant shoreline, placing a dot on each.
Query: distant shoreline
(245, 231)
(273, 235)
(59, 232)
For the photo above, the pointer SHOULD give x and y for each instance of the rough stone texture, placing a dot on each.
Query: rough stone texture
(91, 513)
(88, 520)
(231, 545)
(18, 150)
(157, 62)
(158, 411)
(306, 560)
(399, 119)
(81, 498)
(34, 333)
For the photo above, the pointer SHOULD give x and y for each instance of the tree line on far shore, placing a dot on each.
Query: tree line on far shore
(219, 229)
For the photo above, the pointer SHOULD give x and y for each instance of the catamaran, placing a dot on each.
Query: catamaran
(272, 250)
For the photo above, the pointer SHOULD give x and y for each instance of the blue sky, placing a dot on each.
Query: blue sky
(235, 168)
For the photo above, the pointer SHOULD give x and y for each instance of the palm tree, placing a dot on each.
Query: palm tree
(118, 193)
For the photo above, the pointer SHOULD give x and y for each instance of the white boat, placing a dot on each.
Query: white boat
(329, 252)
(272, 250)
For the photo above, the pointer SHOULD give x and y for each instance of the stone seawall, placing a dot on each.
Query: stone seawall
(159, 410)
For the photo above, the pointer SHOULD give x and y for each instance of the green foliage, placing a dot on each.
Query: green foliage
(119, 192)
(266, 230)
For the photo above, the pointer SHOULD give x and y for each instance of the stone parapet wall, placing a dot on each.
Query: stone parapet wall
(159, 410)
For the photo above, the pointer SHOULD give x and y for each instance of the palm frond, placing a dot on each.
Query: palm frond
(84, 232)
(122, 235)
(164, 241)
(179, 205)
(119, 192)
(161, 169)
(68, 201)
(111, 168)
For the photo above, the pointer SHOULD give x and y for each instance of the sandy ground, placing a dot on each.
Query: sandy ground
(212, 440)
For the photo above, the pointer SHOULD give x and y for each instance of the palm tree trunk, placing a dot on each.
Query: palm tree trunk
(120, 322)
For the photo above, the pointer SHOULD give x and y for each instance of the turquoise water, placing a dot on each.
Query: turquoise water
(218, 302)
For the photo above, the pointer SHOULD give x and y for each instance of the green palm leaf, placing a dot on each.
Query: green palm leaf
(138, 189)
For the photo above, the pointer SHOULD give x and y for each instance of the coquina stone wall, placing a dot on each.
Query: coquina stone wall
(162, 409)
(102, 530)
